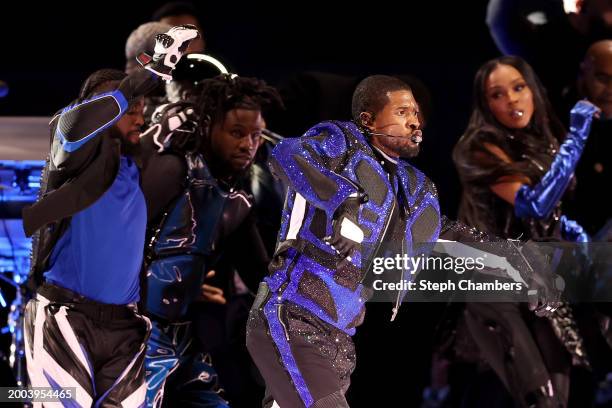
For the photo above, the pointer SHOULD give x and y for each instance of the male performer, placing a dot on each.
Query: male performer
(199, 211)
(351, 197)
(82, 329)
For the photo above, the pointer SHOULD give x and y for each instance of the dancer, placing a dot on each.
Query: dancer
(199, 212)
(83, 329)
(515, 163)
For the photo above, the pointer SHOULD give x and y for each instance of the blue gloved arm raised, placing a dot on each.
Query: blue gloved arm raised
(539, 200)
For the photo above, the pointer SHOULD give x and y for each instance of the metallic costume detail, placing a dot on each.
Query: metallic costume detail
(170, 349)
(188, 237)
(313, 295)
(566, 330)
(313, 288)
(539, 201)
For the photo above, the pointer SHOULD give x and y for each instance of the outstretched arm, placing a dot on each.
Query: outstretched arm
(520, 261)
(539, 200)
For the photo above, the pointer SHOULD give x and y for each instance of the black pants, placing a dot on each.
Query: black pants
(523, 351)
(308, 365)
(96, 348)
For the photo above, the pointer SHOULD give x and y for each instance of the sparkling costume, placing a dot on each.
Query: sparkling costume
(300, 327)
(308, 308)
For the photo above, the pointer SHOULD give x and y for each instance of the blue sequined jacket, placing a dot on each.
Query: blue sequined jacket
(332, 161)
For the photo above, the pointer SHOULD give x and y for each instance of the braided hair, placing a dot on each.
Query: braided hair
(102, 80)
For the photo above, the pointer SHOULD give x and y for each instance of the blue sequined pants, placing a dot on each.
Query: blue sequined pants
(304, 361)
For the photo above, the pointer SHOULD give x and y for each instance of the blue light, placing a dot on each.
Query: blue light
(18, 198)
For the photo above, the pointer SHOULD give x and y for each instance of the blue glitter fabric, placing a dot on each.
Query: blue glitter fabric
(313, 179)
(330, 162)
(281, 339)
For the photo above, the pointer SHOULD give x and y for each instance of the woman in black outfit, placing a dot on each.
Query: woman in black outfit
(515, 162)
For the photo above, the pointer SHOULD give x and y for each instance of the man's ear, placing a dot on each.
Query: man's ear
(366, 119)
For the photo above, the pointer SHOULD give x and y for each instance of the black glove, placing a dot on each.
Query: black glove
(346, 234)
(169, 48)
(545, 286)
(137, 84)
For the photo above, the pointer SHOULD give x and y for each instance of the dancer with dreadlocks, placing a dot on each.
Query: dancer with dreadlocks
(82, 329)
(199, 211)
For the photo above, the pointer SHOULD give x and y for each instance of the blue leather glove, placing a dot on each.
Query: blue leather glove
(539, 201)
(572, 231)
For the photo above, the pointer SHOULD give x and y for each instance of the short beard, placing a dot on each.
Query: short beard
(127, 148)
(402, 147)
(130, 149)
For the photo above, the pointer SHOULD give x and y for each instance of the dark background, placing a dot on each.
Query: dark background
(48, 50)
